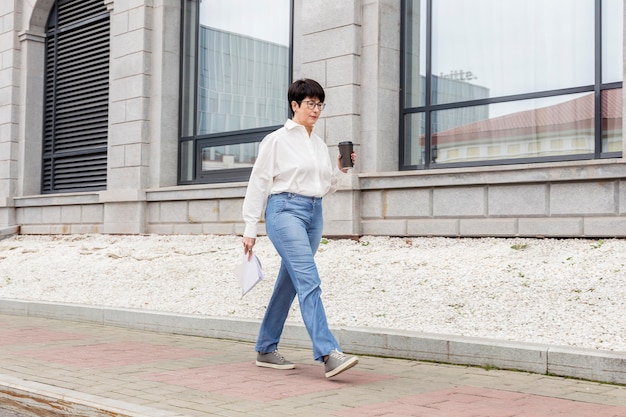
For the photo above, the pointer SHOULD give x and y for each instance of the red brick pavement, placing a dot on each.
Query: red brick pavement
(249, 382)
(193, 376)
(481, 402)
(29, 335)
(110, 355)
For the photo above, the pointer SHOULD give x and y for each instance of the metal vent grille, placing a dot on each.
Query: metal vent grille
(76, 97)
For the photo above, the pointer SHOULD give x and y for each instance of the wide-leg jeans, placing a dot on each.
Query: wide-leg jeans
(294, 225)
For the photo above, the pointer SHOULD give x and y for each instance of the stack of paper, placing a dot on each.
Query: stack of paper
(249, 273)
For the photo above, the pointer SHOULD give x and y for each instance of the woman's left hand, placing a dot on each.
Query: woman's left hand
(248, 244)
(342, 169)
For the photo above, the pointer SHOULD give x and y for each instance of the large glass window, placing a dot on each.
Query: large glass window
(236, 69)
(509, 81)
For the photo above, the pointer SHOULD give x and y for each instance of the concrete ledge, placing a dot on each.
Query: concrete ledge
(197, 192)
(595, 365)
(45, 200)
(603, 366)
(445, 348)
(45, 400)
(9, 231)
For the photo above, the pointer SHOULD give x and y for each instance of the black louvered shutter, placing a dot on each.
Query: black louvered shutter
(76, 97)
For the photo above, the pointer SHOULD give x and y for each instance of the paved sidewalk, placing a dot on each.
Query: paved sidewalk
(138, 373)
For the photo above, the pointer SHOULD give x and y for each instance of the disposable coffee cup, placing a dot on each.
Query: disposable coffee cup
(345, 150)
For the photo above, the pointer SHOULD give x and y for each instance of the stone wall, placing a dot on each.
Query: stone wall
(563, 200)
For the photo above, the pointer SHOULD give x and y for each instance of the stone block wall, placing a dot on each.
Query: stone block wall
(67, 214)
(540, 200)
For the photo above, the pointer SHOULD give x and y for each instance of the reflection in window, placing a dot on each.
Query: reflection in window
(415, 66)
(546, 129)
(414, 128)
(243, 71)
(186, 158)
(612, 120)
(612, 40)
(513, 46)
(242, 82)
(240, 155)
(235, 75)
(505, 80)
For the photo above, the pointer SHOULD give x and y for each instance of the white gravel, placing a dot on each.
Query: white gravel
(559, 292)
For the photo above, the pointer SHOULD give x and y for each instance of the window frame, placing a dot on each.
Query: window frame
(215, 139)
(428, 109)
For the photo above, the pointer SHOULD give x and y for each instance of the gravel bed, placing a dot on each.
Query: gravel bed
(554, 291)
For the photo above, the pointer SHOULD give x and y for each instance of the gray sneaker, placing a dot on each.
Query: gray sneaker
(337, 362)
(273, 360)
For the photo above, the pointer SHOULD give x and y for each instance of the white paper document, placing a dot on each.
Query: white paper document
(249, 273)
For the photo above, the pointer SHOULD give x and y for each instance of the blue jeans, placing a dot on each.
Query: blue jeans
(294, 225)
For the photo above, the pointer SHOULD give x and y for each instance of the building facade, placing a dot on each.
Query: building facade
(144, 116)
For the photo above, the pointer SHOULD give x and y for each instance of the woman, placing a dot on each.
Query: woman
(290, 176)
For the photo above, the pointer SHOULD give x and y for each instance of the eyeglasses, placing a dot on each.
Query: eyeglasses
(311, 104)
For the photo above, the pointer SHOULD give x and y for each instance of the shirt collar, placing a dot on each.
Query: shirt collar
(290, 124)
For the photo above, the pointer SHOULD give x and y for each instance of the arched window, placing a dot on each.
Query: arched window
(76, 97)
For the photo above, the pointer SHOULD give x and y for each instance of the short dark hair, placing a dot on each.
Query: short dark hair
(303, 88)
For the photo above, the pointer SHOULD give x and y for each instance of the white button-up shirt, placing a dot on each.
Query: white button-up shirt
(289, 160)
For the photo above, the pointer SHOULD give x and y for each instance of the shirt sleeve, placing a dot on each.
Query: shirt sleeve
(334, 179)
(259, 186)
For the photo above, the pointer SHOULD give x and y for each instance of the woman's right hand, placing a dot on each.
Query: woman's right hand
(342, 169)
(248, 244)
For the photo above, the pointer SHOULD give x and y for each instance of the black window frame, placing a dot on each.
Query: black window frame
(428, 109)
(222, 138)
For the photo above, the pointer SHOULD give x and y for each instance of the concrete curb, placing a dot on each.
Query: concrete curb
(26, 396)
(603, 366)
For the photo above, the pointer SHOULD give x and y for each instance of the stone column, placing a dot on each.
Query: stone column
(143, 134)
(33, 65)
(380, 85)
(165, 90)
(327, 48)
(129, 117)
(9, 115)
